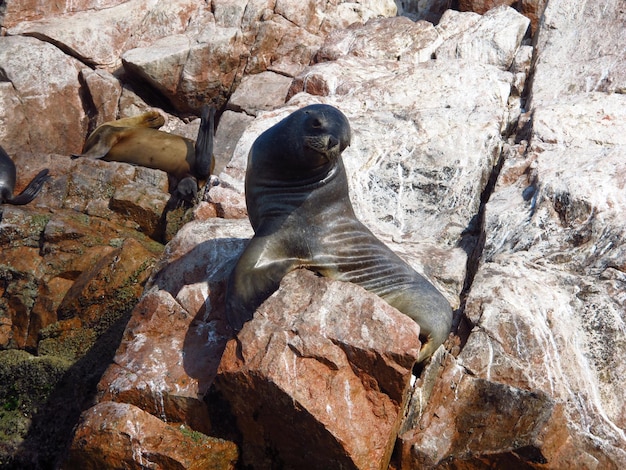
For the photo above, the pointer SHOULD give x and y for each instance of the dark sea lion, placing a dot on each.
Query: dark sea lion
(298, 205)
(138, 141)
(8, 176)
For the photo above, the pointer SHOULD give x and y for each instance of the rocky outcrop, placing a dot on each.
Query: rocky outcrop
(473, 149)
(139, 439)
(306, 368)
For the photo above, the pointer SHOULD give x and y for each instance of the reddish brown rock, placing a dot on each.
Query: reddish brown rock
(191, 72)
(173, 342)
(318, 357)
(117, 435)
(471, 422)
(110, 285)
(166, 362)
(44, 111)
(228, 202)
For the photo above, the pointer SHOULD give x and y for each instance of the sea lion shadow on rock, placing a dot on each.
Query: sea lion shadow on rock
(8, 177)
(210, 263)
(299, 207)
(137, 140)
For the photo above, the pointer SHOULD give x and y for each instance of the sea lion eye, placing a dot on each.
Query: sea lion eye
(316, 124)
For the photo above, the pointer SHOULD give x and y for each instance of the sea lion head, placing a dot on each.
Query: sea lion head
(325, 131)
(311, 137)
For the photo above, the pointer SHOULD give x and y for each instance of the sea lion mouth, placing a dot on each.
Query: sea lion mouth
(327, 145)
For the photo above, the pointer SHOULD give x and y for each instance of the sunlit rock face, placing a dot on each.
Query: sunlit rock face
(489, 160)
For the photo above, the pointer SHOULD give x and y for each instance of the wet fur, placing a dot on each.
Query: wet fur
(299, 207)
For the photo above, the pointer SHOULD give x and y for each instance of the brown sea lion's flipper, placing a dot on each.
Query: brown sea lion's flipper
(101, 141)
(31, 191)
(152, 119)
(204, 161)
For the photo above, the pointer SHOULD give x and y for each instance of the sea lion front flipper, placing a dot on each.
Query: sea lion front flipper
(204, 161)
(31, 191)
(255, 277)
(100, 142)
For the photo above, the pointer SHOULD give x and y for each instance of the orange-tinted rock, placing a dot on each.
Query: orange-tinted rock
(173, 343)
(472, 423)
(318, 357)
(113, 284)
(44, 96)
(17, 11)
(117, 435)
(165, 363)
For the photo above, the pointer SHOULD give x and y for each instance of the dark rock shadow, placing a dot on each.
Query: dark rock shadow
(209, 262)
(209, 331)
(52, 427)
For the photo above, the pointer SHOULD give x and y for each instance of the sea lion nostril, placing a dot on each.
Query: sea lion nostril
(332, 142)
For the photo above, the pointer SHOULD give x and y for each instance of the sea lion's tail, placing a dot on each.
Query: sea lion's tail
(31, 191)
(205, 161)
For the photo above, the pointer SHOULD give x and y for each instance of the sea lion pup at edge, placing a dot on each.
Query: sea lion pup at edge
(138, 141)
(299, 208)
(8, 176)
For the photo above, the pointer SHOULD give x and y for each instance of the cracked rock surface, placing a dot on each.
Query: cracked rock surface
(487, 150)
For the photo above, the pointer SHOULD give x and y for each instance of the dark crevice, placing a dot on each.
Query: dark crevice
(473, 238)
(63, 48)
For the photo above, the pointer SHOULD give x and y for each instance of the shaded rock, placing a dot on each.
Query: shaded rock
(318, 356)
(112, 284)
(472, 422)
(104, 93)
(190, 72)
(136, 439)
(171, 349)
(229, 130)
(429, 10)
(25, 390)
(143, 207)
(38, 80)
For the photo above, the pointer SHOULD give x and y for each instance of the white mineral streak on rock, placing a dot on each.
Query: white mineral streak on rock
(552, 320)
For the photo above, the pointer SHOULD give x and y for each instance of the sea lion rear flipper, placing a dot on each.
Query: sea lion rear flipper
(204, 161)
(31, 191)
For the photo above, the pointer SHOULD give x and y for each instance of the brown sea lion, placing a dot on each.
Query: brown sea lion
(299, 208)
(138, 141)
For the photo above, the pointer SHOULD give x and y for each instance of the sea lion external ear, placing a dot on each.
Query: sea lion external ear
(205, 162)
